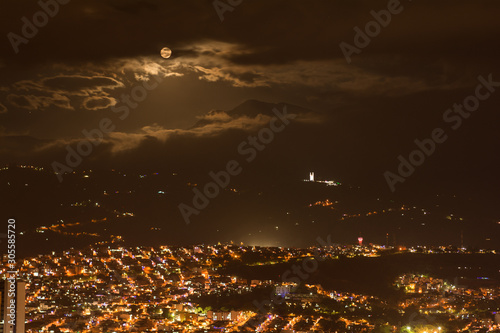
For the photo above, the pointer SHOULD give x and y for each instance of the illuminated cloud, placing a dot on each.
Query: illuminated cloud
(126, 141)
(98, 103)
(70, 85)
(98, 84)
(214, 123)
(81, 85)
(214, 61)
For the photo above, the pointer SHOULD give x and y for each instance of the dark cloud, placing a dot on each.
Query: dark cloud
(272, 32)
(34, 102)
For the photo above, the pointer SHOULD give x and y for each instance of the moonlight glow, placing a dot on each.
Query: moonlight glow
(166, 52)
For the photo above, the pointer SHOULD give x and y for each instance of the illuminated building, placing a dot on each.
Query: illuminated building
(283, 290)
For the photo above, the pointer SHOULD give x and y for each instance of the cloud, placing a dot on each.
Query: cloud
(64, 91)
(3, 108)
(216, 115)
(98, 103)
(71, 85)
(213, 61)
(127, 141)
(144, 68)
(34, 102)
(214, 123)
(308, 32)
(97, 88)
(81, 85)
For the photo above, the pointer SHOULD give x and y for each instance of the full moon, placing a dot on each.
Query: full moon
(166, 52)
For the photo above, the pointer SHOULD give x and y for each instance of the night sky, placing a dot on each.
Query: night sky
(353, 117)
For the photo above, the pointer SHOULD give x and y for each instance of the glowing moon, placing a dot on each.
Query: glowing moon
(166, 52)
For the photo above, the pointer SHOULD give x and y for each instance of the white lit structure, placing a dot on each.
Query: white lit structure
(327, 182)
